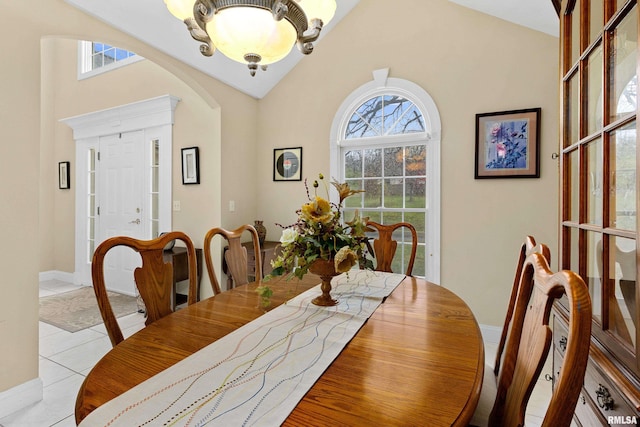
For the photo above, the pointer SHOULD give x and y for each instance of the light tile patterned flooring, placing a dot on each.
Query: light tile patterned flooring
(66, 358)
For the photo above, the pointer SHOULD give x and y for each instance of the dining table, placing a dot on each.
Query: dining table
(417, 359)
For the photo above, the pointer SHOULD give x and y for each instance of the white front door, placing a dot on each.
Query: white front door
(121, 201)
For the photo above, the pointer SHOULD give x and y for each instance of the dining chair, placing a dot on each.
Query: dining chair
(528, 247)
(384, 246)
(235, 256)
(528, 344)
(154, 279)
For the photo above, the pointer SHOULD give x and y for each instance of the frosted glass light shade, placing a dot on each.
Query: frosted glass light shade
(181, 9)
(237, 31)
(323, 9)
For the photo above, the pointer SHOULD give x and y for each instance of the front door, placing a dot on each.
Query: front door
(121, 201)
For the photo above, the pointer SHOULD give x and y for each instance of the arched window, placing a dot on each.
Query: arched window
(385, 139)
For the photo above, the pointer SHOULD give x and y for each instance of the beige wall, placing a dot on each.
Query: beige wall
(469, 63)
(19, 162)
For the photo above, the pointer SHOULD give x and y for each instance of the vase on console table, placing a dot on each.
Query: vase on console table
(327, 271)
(262, 231)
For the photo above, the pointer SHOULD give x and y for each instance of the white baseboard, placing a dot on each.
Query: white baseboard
(56, 275)
(20, 396)
(491, 334)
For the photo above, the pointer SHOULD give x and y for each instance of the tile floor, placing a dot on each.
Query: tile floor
(66, 358)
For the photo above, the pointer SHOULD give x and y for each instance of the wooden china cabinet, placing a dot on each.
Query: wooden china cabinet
(599, 203)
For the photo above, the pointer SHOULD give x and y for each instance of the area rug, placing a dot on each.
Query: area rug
(77, 310)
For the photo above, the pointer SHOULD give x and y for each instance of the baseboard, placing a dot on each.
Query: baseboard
(56, 275)
(491, 334)
(20, 396)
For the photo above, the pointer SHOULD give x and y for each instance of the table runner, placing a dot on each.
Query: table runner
(257, 374)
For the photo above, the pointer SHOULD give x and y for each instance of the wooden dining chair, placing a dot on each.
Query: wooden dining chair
(528, 344)
(384, 246)
(528, 247)
(154, 279)
(235, 256)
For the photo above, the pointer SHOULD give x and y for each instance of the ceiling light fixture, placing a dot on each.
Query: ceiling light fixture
(254, 32)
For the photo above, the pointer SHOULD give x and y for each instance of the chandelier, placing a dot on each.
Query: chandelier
(254, 32)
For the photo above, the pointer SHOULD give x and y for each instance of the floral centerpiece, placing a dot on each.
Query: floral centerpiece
(321, 234)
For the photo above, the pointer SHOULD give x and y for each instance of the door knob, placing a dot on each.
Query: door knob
(137, 221)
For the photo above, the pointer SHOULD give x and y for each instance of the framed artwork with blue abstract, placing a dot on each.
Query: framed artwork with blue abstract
(508, 144)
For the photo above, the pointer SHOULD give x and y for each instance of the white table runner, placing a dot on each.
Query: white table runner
(256, 375)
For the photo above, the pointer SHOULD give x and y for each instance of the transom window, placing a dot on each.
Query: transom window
(385, 140)
(385, 115)
(96, 58)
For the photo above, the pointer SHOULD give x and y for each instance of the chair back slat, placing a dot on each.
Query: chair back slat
(385, 246)
(530, 339)
(154, 278)
(235, 255)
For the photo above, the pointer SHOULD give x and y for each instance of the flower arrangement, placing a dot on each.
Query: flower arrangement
(320, 233)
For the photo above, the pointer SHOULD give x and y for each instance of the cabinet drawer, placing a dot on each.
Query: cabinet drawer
(560, 335)
(606, 398)
(587, 414)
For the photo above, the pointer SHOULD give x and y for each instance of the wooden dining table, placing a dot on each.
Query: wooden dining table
(417, 361)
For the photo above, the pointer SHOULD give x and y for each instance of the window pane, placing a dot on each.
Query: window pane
(622, 277)
(594, 182)
(573, 174)
(623, 177)
(416, 160)
(393, 193)
(373, 163)
(373, 193)
(575, 33)
(624, 78)
(594, 88)
(574, 264)
(574, 110)
(415, 193)
(393, 161)
(354, 201)
(411, 122)
(594, 278)
(596, 22)
(353, 164)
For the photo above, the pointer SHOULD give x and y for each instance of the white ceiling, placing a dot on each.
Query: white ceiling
(151, 22)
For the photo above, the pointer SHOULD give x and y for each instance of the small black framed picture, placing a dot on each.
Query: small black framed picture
(287, 164)
(190, 165)
(64, 175)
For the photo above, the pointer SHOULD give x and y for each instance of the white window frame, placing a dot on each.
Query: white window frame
(85, 64)
(384, 85)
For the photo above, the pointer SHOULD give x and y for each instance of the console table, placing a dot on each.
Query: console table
(268, 253)
(178, 257)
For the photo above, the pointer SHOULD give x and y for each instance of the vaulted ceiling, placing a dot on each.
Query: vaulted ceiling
(151, 22)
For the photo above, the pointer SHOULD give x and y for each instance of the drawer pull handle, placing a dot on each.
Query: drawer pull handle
(548, 377)
(605, 401)
(563, 343)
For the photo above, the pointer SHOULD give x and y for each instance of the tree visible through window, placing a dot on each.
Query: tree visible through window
(393, 174)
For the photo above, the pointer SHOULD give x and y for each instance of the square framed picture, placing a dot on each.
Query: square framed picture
(508, 144)
(190, 165)
(64, 176)
(287, 164)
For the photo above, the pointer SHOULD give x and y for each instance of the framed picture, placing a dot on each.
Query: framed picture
(508, 144)
(190, 165)
(64, 176)
(287, 164)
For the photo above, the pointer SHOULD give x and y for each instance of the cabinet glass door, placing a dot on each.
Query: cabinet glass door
(599, 61)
